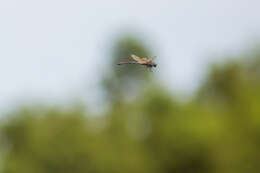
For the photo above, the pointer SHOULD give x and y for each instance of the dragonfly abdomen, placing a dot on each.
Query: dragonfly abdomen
(132, 62)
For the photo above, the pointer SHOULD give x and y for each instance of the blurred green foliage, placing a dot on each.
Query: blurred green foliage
(121, 82)
(218, 130)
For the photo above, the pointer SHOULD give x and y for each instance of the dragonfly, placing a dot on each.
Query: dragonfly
(148, 62)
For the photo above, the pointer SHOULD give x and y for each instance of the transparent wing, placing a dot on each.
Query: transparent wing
(153, 57)
(145, 60)
(148, 60)
(136, 58)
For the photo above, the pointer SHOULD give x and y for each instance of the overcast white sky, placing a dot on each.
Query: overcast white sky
(54, 49)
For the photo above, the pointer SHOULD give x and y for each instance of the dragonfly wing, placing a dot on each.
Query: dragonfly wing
(153, 57)
(145, 60)
(136, 58)
(149, 60)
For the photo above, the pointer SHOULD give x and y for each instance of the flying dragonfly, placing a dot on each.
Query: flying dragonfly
(148, 62)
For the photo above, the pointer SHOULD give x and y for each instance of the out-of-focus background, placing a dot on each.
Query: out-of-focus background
(65, 106)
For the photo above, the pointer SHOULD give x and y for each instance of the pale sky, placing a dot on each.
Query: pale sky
(54, 50)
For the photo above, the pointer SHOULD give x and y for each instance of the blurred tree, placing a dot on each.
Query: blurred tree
(172, 141)
(50, 141)
(126, 80)
(217, 131)
(232, 90)
(47, 141)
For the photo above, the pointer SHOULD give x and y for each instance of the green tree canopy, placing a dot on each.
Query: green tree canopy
(216, 131)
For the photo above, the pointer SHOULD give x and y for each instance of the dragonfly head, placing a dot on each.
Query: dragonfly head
(153, 65)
